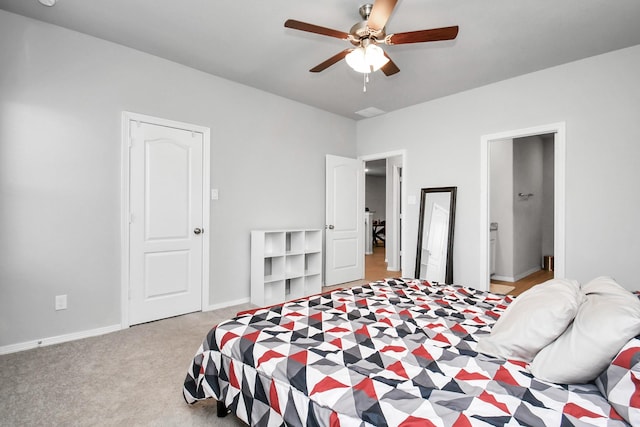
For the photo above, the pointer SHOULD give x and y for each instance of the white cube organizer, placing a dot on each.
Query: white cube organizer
(285, 265)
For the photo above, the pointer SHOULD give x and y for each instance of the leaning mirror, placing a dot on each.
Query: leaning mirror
(434, 255)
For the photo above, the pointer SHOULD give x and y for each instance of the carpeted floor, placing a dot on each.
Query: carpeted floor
(131, 377)
(127, 378)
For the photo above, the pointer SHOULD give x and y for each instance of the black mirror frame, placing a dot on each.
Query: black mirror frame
(452, 217)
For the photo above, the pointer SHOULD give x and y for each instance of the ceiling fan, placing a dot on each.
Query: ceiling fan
(367, 56)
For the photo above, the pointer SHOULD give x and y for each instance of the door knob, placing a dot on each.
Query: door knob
(198, 230)
(330, 227)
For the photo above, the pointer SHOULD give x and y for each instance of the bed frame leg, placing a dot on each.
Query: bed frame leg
(222, 410)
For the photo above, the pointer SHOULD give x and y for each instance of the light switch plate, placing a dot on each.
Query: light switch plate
(61, 302)
(214, 194)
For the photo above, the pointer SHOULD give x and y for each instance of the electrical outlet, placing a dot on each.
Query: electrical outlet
(61, 302)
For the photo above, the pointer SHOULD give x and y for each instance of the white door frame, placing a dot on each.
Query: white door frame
(401, 237)
(559, 147)
(127, 118)
(396, 213)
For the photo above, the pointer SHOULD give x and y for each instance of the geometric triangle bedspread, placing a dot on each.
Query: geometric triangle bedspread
(390, 353)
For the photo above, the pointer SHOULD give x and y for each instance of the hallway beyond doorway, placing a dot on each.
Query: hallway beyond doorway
(375, 267)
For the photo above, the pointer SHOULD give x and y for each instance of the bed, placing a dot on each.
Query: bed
(398, 352)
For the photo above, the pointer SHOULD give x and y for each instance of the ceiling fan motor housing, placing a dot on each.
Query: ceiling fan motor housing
(361, 31)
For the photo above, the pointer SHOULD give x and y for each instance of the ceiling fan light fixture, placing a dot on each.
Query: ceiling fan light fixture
(366, 59)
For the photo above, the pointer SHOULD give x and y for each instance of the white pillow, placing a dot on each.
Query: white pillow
(536, 318)
(606, 321)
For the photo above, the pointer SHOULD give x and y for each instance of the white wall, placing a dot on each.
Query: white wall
(527, 212)
(598, 98)
(61, 98)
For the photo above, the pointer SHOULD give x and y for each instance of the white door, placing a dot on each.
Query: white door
(436, 245)
(165, 234)
(344, 229)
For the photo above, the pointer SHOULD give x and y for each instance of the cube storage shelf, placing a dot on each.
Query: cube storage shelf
(285, 265)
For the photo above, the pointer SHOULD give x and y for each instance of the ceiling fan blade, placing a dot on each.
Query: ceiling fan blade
(329, 62)
(390, 68)
(380, 13)
(433, 35)
(310, 28)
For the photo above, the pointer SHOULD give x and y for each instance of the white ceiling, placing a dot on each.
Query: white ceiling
(245, 41)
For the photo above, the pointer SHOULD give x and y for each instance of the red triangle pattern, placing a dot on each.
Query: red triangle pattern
(579, 412)
(634, 402)
(624, 358)
(504, 376)
(441, 338)
(334, 421)
(271, 354)
(326, 384)
(300, 357)
(470, 376)
(394, 348)
(398, 369)
(462, 421)
(273, 397)
(363, 331)
(412, 421)
(228, 336)
(422, 352)
(490, 399)
(366, 385)
(233, 380)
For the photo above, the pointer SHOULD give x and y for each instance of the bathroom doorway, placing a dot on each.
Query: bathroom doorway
(521, 188)
(517, 194)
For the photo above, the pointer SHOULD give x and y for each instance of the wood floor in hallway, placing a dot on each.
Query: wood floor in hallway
(375, 268)
(527, 282)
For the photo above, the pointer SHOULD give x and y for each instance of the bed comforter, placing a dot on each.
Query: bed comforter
(390, 353)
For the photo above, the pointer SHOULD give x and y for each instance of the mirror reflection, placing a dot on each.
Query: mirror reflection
(434, 255)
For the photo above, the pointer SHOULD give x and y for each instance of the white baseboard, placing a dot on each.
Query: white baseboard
(517, 277)
(503, 278)
(28, 345)
(226, 304)
(526, 273)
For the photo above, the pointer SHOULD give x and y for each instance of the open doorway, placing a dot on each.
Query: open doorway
(556, 132)
(521, 188)
(383, 217)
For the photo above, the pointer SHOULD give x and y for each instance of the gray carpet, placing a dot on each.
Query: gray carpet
(131, 377)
